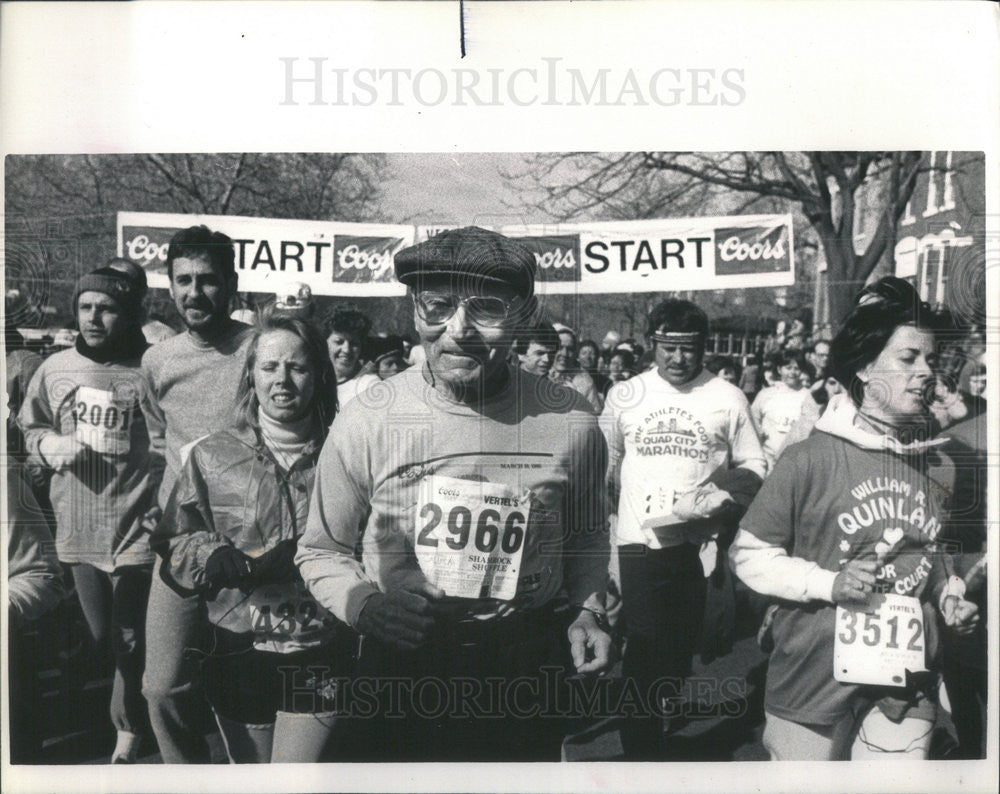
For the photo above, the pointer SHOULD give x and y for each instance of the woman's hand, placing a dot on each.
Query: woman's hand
(228, 567)
(277, 564)
(960, 616)
(854, 583)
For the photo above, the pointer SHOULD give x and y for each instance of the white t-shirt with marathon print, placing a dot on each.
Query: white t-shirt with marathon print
(670, 440)
(774, 412)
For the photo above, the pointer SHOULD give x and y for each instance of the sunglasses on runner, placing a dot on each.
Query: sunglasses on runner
(439, 307)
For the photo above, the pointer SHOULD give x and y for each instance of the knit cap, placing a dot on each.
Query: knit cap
(120, 279)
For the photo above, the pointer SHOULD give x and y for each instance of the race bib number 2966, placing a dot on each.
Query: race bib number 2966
(469, 536)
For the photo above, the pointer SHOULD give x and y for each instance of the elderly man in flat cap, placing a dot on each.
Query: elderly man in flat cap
(473, 491)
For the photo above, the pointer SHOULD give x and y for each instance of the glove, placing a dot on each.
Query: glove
(228, 567)
(59, 451)
(278, 563)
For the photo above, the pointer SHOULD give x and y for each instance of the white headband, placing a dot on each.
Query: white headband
(679, 337)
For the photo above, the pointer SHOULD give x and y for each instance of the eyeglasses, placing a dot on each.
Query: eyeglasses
(439, 307)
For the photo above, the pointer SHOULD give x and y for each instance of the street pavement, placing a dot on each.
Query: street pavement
(720, 719)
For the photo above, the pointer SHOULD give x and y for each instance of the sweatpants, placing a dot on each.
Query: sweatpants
(874, 736)
(175, 631)
(114, 606)
(476, 691)
(663, 601)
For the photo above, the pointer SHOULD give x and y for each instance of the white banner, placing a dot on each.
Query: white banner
(670, 254)
(333, 258)
(355, 259)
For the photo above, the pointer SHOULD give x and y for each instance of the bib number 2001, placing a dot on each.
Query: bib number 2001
(102, 423)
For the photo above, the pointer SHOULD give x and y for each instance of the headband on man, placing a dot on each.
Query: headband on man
(678, 337)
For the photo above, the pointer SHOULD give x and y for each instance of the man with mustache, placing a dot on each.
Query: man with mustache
(83, 418)
(685, 462)
(460, 523)
(194, 377)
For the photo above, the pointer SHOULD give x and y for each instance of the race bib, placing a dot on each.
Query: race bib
(102, 422)
(879, 643)
(285, 617)
(470, 535)
(658, 517)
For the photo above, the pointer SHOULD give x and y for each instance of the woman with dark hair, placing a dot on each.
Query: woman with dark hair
(347, 329)
(229, 532)
(726, 367)
(621, 367)
(843, 534)
(589, 357)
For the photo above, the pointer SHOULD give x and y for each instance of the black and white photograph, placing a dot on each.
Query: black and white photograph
(409, 461)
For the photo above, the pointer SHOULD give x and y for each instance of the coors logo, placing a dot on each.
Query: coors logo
(556, 256)
(755, 249)
(147, 246)
(364, 259)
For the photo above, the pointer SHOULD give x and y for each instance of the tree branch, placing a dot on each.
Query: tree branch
(227, 196)
(723, 178)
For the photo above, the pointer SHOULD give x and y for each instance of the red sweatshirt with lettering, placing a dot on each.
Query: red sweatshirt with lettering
(842, 494)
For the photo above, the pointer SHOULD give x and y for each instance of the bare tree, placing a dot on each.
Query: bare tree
(61, 209)
(823, 186)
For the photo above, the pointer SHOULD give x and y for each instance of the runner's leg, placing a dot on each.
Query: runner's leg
(786, 740)
(93, 589)
(881, 738)
(246, 744)
(170, 680)
(130, 587)
(663, 598)
(301, 738)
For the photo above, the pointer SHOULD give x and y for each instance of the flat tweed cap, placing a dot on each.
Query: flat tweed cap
(470, 255)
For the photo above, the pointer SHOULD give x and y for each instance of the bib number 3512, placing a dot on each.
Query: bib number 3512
(879, 645)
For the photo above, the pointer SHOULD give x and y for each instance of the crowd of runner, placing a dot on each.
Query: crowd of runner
(346, 545)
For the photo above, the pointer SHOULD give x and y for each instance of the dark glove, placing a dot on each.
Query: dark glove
(277, 564)
(228, 567)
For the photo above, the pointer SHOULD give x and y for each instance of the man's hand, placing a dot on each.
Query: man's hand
(960, 616)
(705, 502)
(60, 451)
(854, 583)
(399, 618)
(228, 567)
(586, 638)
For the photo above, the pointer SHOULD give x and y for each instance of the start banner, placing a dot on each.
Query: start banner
(355, 259)
(333, 258)
(664, 255)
